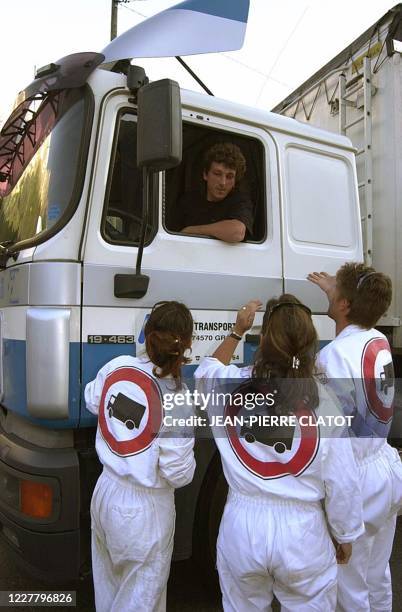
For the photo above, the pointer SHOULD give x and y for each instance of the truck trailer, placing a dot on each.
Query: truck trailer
(359, 94)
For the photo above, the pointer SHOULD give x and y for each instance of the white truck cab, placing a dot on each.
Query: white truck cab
(71, 221)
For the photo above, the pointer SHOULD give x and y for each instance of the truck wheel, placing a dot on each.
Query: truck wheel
(211, 501)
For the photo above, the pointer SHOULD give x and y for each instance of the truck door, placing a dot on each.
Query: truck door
(212, 277)
(320, 214)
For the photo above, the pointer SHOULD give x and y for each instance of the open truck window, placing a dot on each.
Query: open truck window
(41, 150)
(123, 213)
(188, 177)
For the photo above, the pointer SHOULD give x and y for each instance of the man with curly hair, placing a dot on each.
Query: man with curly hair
(221, 210)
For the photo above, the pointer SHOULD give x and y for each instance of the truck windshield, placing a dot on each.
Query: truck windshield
(40, 150)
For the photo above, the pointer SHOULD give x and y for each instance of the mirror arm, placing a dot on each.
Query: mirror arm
(136, 285)
(145, 216)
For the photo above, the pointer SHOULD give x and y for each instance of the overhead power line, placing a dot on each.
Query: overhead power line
(228, 57)
(281, 52)
(135, 11)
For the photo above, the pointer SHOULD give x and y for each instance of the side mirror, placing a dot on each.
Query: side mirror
(159, 147)
(159, 128)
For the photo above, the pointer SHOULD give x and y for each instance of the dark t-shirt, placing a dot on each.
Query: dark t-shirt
(198, 211)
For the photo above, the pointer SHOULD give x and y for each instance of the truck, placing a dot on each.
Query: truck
(90, 241)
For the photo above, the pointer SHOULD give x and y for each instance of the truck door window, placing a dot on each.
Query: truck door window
(188, 178)
(122, 218)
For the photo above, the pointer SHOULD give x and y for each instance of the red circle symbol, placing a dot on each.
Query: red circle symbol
(297, 463)
(147, 384)
(370, 362)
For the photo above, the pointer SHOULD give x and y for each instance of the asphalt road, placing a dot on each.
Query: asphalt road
(186, 592)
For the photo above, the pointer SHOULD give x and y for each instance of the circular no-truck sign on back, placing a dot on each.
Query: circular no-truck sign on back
(130, 411)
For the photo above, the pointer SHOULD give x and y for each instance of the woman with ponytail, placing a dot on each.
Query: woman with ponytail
(132, 508)
(294, 504)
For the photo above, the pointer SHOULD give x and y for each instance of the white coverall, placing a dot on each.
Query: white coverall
(274, 538)
(132, 508)
(358, 366)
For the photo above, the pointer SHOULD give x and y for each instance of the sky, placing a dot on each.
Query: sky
(286, 42)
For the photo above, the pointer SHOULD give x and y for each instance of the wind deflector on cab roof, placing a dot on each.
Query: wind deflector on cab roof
(187, 28)
(68, 72)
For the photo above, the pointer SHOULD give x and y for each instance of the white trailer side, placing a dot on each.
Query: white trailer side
(359, 93)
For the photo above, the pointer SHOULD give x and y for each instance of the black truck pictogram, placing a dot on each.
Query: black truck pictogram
(387, 377)
(279, 437)
(125, 410)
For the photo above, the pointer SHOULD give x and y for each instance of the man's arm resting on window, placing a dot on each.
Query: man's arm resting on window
(229, 230)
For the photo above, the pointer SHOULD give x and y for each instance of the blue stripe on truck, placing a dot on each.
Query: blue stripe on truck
(94, 356)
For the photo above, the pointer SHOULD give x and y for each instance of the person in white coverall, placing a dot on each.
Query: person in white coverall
(358, 366)
(291, 487)
(132, 508)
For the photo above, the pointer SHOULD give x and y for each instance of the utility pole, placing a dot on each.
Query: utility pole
(113, 19)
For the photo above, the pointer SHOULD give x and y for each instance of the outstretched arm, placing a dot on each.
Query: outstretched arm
(244, 320)
(324, 281)
(229, 230)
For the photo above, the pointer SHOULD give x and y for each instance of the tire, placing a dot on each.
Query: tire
(211, 502)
